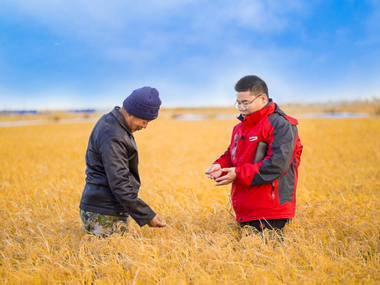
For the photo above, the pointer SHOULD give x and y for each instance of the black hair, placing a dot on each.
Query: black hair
(252, 83)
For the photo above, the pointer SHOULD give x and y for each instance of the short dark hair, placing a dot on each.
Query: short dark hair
(252, 83)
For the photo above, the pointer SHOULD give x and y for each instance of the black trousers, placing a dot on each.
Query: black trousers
(271, 224)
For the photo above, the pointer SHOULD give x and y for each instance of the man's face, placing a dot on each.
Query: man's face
(254, 102)
(136, 124)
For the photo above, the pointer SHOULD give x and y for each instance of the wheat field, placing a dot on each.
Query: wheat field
(334, 238)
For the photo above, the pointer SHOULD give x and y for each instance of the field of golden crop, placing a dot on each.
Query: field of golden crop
(334, 238)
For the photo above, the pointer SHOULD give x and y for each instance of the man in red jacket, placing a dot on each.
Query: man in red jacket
(262, 159)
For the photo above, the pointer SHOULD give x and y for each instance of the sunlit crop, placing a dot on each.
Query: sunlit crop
(334, 238)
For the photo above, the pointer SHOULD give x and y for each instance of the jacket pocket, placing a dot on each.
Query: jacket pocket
(261, 151)
(275, 200)
(256, 198)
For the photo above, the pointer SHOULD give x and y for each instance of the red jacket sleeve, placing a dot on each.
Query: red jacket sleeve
(225, 159)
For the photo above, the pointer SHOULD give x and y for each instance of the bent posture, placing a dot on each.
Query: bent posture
(110, 195)
(262, 159)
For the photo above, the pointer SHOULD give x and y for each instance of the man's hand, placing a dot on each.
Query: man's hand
(228, 178)
(214, 171)
(157, 222)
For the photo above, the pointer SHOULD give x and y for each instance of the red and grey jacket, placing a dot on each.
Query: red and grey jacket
(267, 189)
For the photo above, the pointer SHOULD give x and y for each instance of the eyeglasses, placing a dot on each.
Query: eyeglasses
(245, 106)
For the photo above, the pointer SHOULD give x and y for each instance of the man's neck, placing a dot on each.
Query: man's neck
(124, 113)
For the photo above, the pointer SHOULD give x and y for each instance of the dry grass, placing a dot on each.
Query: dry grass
(335, 237)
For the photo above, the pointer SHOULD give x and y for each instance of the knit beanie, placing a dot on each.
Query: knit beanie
(143, 103)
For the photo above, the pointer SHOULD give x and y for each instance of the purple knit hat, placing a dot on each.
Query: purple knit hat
(143, 103)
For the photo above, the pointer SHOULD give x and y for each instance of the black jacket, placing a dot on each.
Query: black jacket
(113, 181)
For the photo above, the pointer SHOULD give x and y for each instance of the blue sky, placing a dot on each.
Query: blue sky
(75, 54)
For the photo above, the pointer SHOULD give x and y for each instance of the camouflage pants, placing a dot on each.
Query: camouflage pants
(103, 225)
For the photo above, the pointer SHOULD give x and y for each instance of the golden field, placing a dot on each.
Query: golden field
(334, 238)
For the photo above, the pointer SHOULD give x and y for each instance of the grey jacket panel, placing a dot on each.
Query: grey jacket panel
(284, 139)
(113, 181)
(286, 184)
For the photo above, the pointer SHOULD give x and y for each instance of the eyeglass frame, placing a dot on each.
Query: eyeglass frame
(238, 105)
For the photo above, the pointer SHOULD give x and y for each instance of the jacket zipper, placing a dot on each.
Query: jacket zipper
(234, 149)
(272, 190)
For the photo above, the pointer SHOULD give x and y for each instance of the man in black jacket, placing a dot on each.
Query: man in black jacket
(110, 195)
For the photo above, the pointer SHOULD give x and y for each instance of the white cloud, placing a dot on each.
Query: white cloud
(199, 44)
(90, 17)
(147, 30)
(263, 16)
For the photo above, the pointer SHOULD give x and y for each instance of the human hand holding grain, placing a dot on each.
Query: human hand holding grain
(214, 171)
(157, 222)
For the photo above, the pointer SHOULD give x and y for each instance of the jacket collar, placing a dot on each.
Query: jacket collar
(119, 117)
(254, 117)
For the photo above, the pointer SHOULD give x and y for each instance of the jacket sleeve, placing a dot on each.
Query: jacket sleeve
(225, 159)
(124, 186)
(282, 138)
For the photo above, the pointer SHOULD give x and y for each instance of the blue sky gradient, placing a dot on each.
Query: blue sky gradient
(66, 54)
